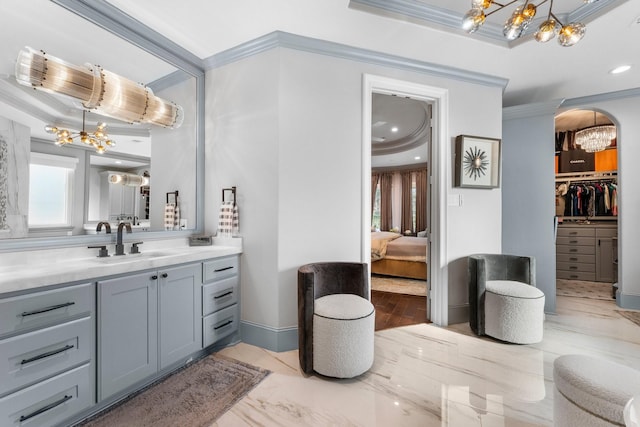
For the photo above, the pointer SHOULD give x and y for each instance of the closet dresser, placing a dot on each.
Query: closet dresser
(586, 252)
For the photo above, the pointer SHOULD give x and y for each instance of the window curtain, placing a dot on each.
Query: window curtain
(385, 201)
(406, 218)
(421, 200)
(375, 177)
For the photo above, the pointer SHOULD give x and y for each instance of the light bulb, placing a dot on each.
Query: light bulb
(473, 20)
(571, 34)
(546, 31)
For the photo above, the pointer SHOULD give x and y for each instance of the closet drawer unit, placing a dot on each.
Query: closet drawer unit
(219, 269)
(573, 258)
(576, 232)
(575, 275)
(31, 357)
(576, 266)
(220, 294)
(220, 324)
(45, 308)
(575, 249)
(575, 241)
(49, 402)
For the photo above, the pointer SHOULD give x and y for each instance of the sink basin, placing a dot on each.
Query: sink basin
(113, 259)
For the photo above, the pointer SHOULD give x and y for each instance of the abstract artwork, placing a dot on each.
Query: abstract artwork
(477, 162)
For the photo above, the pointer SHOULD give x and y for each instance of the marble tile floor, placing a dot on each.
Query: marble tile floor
(424, 375)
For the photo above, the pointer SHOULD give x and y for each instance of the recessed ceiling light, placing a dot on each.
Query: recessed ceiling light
(394, 129)
(118, 162)
(416, 158)
(620, 69)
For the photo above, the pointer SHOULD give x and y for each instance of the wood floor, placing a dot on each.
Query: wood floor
(393, 310)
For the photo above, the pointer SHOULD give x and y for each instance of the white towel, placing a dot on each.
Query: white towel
(228, 220)
(176, 217)
(169, 216)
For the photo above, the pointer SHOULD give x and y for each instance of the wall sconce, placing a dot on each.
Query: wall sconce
(99, 90)
(128, 179)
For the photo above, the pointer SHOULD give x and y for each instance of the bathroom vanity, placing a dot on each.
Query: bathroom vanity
(78, 334)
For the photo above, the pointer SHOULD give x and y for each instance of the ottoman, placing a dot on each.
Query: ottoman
(514, 311)
(343, 329)
(591, 392)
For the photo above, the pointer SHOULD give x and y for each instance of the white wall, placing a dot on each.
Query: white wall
(286, 127)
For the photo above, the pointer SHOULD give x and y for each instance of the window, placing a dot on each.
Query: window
(50, 190)
(375, 220)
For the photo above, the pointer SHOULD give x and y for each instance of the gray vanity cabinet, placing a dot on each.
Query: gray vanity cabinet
(127, 331)
(146, 322)
(180, 327)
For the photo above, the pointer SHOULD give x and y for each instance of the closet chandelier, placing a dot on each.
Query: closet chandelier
(98, 138)
(99, 90)
(515, 26)
(595, 138)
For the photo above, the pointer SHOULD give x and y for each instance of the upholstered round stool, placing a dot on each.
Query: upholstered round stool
(591, 392)
(343, 328)
(514, 311)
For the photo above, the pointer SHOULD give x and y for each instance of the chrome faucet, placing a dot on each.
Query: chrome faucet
(119, 245)
(107, 227)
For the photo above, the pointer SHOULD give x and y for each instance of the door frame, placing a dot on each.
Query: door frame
(437, 265)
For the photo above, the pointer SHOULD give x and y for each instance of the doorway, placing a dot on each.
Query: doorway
(586, 186)
(436, 273)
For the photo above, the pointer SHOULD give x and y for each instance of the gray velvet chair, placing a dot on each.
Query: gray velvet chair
(499, 296)
(320, 280)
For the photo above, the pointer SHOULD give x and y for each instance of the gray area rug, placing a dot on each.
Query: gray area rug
(399, 285)
(634, 316)
(584, 289)
(192, 397)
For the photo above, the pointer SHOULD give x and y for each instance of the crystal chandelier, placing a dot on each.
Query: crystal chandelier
(98, 138)
(595, 138)
(515, 26)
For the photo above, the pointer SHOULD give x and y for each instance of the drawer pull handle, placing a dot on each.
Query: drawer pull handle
(573, 241)
(227, 323)
(47, 354)
(573, 250)
(222, 269)
(45, 408)
(573, 233)
(223, 295)
(165, 275)
(573, 267)
(44, 310)
(154, 277)
(573, 259)
(573, 276)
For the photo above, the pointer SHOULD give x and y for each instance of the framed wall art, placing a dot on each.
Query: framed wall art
(477, 163)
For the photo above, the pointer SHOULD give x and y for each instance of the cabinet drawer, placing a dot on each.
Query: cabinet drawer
(575, 275)
(572, 258)
(583, 250)
(49, 402)
(576, 232)
(219, 268)
(28, 358)
(606, 232)
(576, 266)
(220, 324)
(219, 295)
(573, 241)
(45, 308)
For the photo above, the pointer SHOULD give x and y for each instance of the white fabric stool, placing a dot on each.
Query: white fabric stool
(514, 311)
(591, 392)
(343, 329)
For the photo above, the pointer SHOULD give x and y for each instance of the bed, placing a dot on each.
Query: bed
(393, 254)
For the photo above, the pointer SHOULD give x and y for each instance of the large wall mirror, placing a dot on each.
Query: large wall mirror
(134, 179)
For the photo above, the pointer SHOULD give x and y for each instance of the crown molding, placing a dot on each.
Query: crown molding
(337, 50)
(531, 110)
(602, 97)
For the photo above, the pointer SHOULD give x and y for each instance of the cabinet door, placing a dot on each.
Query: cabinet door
(604, 260)
(180, 329)
(127, 331)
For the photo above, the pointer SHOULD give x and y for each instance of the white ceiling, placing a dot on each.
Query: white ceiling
(535, 72)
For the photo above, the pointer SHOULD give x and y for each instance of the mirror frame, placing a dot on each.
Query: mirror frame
(112, 19)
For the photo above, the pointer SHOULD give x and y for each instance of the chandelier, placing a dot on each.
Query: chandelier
(99, 90)
(98, 138)
(515, 26)
(595, 138)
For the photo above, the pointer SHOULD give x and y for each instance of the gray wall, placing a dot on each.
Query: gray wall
(527, 190)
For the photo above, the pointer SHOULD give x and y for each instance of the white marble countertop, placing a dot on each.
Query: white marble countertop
(26, 271)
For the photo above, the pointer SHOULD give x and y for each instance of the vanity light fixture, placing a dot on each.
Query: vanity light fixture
(99, 90)
(568, 34)
(98, 138)
(128, 179)
(595, 138)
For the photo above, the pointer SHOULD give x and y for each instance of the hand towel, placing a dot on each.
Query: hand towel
(169, 216)
(227, 218)
(176, 217)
